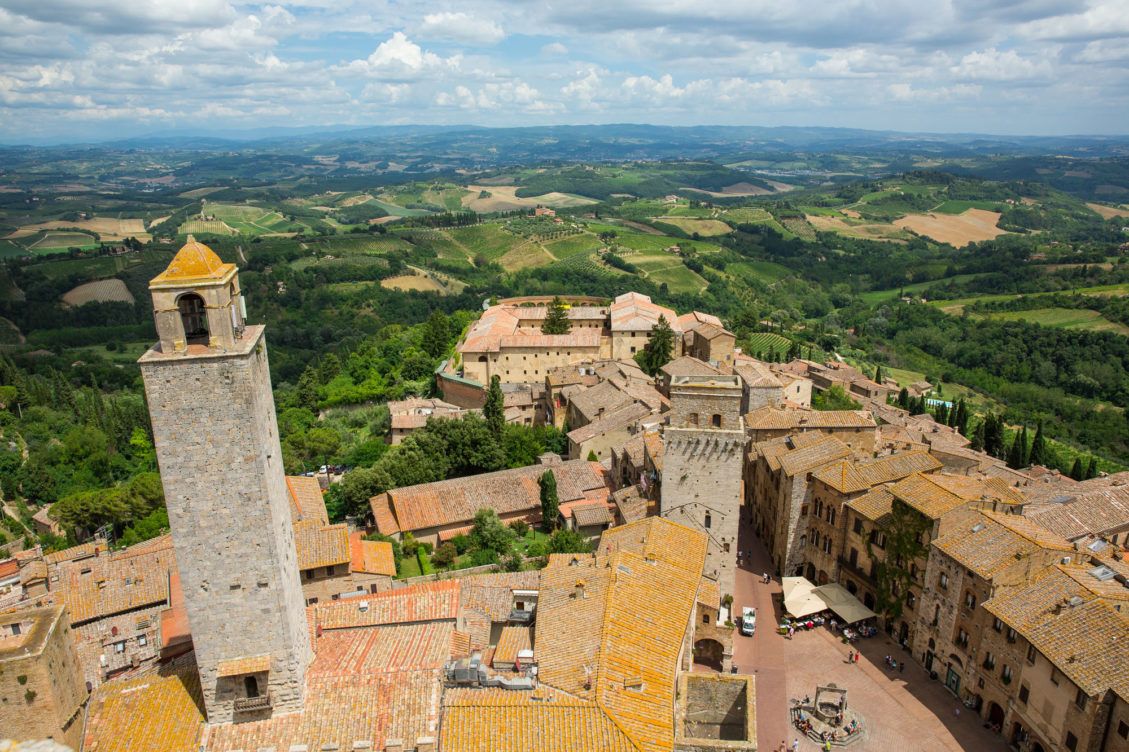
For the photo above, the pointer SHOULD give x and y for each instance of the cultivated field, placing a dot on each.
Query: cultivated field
(505, 198)
(108, 229)
(99, 291)
(60, 241)
(737, 189)
(958, 230)
(872, 231)
(406, 282)
(1064, 318)
(201, 192)
(765, 342)
(1110, 212)
(704, 227)
(206, 227)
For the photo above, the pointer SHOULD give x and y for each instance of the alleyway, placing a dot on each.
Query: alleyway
(904, 711)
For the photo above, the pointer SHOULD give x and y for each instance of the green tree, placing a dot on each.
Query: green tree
(488, 533)
(658, 349)
(1038, 447)
(592, 456)
(550, 501)
(1077, 472)
(834, 398)
(436, 334)
(1015, 453)
(1092, 468)
(566, 541)
(444, 555)
(903, 398)
(556, 320)
(494, 410)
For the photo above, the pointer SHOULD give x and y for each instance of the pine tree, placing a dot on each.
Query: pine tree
(658, 350)
(550, 502)
(878, 376)
(1076, 471)
(1038, 447)
(1026, 458)
(556, 321)
(494, 410)
(1015, 453)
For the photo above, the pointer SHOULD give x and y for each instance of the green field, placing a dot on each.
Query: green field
(54, 242)
(957, 305)
(205, 227)
(487, 239)
(571, 246)
(762, 271)
(1063, 318)
(8, 249)
(704, 227)
(958, 207)
(763, 342)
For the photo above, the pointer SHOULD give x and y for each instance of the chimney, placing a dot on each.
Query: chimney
(425, 744)
(578, 592)
(394, 745)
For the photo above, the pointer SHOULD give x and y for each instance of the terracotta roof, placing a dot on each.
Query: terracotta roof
(33, 571)
(712, 331)
(756, 374)
(593, 513)
(635, 312)
(9, 568)
(384, 649)
(631, 505)
(694, 319)
(499, 720)
(158, 713)
(849, 477)
(1091, 512)
(370, 557)
(775, 418)
(492, 594)
(239, 666)
(122, 581)
(194, 262)
(1079, 628)
(709, 593)
(653, 444)
(935, 495)
(991, 542)
(604, 397)
(688, 366)
(451, 502)
(306, 500)
(431, 601)
(511, 642)
(382, 514)
(81, 551)
(874, 505)
(613, 421)
(803, 460)
(321, 545)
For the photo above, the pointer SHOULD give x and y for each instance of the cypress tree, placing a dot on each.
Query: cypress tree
(903, 399)
(1015, 454)
(1092, 468)
(1038, 447)
(494, 410)
(1076, 470)
(550, 502)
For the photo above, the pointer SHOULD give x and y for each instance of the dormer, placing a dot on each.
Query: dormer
(197, 302)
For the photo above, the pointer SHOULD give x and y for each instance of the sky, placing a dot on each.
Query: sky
(84, 70)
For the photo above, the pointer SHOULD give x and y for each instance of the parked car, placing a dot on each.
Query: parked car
(748, 620)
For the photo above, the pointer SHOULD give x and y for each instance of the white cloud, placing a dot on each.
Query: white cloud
(554, 49)
(904, 92)
(993, 65)
(461, 27)
(400, 59)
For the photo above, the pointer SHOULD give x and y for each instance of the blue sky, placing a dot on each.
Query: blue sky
(92, 69)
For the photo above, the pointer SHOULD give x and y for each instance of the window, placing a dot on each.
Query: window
(910, 599)
(962, 639)
(969, 600)
(119, 647)
(854, 557)
(1024, 693)
(716, 420)
(1006, 674)
(1012, 635)
(989, 660)
(705, 618)
(858, 526)
(709, 521)
(1031, 654)
(251, 686)
(1054, 675)
(997, 625)
(831, 516)
(1123, 729)
(692, 419)
(943, 582)
(15, 630)
(194, 318)
(142, 640)
(1080, 699)
(1071, 741)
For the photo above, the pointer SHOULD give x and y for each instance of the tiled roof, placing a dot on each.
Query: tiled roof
(492, 594)
(157, 713)
(874, 505)
(711, 331)
(688, 366)
(1091, 512)
(755, 374)
(370, 557)
(826, 449)
(511, 642)
(848, 477)
(605, 396)
(634, 312)
(631, 505)
(774, 418)
(382, 514)
(320, 545)
(33, 571)
(431, 601)
(709, 594)
(1079, 630)
(935, 495)
(306, 500)
(239, 666)
(90, 548)
(455, 501)
(614, 421)
(193, 262)
(691, 321)
(991, 542)
(385, 649)
(122, 581)
(653, 444)
(594, 513)
(499, 720)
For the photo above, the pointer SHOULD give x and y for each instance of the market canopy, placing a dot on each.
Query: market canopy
(802, 598)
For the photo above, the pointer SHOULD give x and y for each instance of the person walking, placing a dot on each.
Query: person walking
(795, 744)
(856, 658)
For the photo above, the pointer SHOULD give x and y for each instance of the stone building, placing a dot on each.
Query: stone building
(986, 553)
(208, 388)
(41, 687)
(703, 454)
(855, 428)
(412, 414)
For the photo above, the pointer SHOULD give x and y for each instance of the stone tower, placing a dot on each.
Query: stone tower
(210, 402)
(703, 459)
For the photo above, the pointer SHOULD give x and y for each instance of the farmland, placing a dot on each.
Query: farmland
(703, 227)
(99, 291)
(958, 230)
(496, 198)
(53, 242)
(420, 282)
(1062, 318)
(108, 229)
(1109, 212)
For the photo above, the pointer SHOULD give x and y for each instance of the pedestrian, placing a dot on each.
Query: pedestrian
(902, 667)
(850, 656)
(795, 745)
(827, 746)
(791, 631)
(856, 658)
(956, 711)
(765, 579)
(887, 661)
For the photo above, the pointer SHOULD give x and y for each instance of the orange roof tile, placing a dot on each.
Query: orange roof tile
(371, 557)
(122, 581)
(847, 476)
(157, 713)
(321, 545)
(431, 601)
(253, 664)
(512, 641)
(306, 499)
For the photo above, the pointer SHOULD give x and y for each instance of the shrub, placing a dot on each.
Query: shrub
(483, 556)
(410, 544)
(445, 555)
(521, 527)
(535, 549)
(461, 543)
(513, 563)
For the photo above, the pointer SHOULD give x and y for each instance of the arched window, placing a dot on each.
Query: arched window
(194, 318)
(692, 419)
(709, 520)
(716, 420)
(251, 686)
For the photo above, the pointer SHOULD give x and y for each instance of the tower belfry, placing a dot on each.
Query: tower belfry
(207, 382)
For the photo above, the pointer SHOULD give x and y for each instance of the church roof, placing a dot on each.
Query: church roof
(194, 262)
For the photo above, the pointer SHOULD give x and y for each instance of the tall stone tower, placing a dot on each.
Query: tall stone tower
(214, 427)
(703, 459)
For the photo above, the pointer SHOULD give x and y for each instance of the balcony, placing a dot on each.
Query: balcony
(518, 616)
(249, 704)
(857, 571)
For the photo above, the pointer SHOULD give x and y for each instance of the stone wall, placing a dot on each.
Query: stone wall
(715, 712)
(221, 466)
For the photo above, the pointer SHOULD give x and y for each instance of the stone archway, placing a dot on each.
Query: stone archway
(995, 716)
(710, 653)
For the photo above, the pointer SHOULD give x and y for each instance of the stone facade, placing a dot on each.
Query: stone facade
(704, 451)
(41, 687)
(218, 449)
